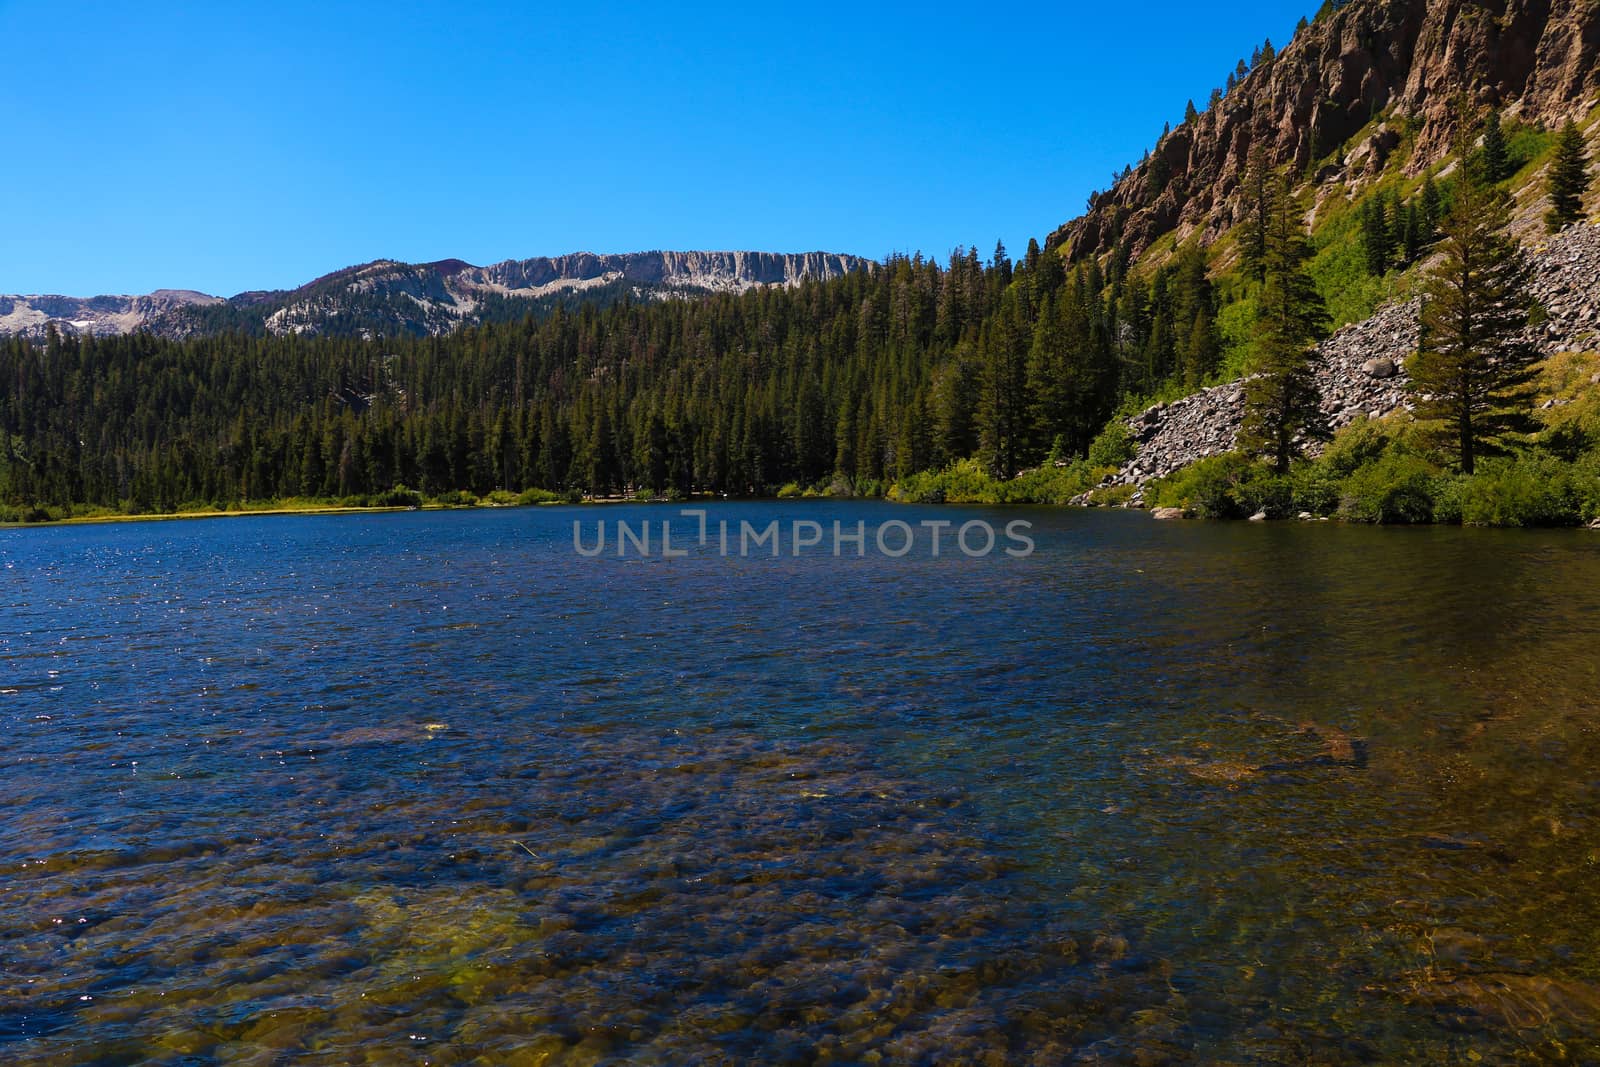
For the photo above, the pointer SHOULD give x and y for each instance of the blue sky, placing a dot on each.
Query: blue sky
(222, 148)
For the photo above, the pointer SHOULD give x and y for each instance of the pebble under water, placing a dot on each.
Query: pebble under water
(433, 788)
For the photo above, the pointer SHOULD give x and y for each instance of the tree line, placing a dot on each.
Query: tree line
(858, 380)
(847, 384)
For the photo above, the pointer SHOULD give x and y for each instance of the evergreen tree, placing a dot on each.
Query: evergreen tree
(1257, 201)
(1411, 235)
(1194, 313)
(1282, 404)
(1495, 162)
(1376, 236)
(1190, 115)
(1568, 179)
(1470, 372)
(1003, 404)
(1432, 211)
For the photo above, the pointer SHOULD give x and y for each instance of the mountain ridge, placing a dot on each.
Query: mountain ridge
(1388, 71)
(388, 295)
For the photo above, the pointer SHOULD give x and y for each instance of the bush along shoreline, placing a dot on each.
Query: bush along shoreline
(1383, 471)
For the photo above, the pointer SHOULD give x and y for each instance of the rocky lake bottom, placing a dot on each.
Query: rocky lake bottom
(432, 787)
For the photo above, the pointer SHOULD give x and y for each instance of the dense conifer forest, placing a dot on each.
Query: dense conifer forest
(854, 381)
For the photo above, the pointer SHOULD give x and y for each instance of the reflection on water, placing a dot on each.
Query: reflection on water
(429, 787)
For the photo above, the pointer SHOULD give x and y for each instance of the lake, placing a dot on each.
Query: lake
(434, 787)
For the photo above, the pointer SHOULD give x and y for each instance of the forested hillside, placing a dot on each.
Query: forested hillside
(848, 384)
(862, 378)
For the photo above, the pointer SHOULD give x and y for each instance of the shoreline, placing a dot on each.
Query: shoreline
(1160, 514)
(329, 509)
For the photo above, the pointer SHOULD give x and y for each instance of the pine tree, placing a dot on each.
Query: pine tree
(1568, 180)
(1432, 208)
(1282, 405)
(1495, 163)
(1376, 239)
(1257, 200)
(1003, 404)
(1411, 237)
(1470, 371)
(1190, 114)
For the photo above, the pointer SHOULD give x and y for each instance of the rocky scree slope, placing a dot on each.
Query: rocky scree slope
(1360, 370)
(1406, 60)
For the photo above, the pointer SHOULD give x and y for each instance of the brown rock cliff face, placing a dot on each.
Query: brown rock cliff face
(1533, 58)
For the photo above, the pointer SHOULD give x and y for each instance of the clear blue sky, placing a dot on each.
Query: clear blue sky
(217, 148)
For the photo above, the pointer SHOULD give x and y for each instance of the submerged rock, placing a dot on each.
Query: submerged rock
(1519, 1001)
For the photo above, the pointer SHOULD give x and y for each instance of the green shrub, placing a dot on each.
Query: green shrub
(1448, 491)
(962, 482)
(1397, 488)
(790, 491)
(1111, 496)
(1314, 489)
(1218, 487)
(455, 498)
(1360, 443)
(398, 497)
(1529, 490)
(967, 482)
(538, 496)
(501, 498)
(1114, 447)
(1054, 485)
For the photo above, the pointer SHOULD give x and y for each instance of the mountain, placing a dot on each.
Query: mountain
(387, 297)
(1361, 370)
(1366, 80)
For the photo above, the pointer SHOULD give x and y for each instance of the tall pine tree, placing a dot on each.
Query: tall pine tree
(1282, 405)
(1471, 371)
(1495, 159)
(1568, 180)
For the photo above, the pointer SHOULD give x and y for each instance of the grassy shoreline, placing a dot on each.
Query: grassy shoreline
(300, 509)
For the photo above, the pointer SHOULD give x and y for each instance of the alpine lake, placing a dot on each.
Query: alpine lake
(435, 787)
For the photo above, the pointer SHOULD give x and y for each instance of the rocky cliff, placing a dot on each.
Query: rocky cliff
(31, 316)
(387, 296)
(1399, 61)
(1360, 370)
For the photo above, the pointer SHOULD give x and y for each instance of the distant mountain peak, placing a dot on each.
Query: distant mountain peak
(388, 296)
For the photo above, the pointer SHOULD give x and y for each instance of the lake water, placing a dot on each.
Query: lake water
(432, 787)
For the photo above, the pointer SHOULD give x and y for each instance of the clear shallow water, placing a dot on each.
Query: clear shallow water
(431, 788)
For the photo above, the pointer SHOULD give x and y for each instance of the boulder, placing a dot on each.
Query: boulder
(1170, 513)
(1380, 368)
(1260, 516)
